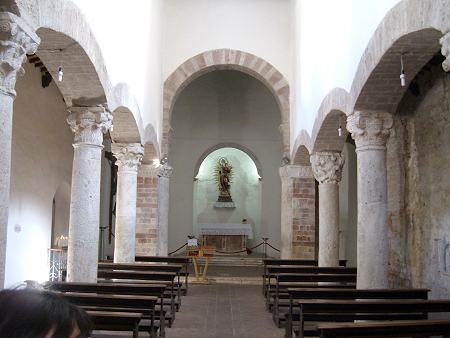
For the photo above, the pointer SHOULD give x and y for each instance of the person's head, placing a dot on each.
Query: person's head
(39, 314)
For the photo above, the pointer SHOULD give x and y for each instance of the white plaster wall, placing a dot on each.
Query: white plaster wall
(61, 214)
(41, 160)
(260, 27)
(136, 28)
(220, 107)
(330, 38)
(245, 191)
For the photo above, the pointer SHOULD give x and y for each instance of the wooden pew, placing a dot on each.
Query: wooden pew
(320, 310)
(289, 280)
(287, 262)
(404, 328)
(176, 268)
(273, 270)
(116, 303)
(170, 260)
(136, 277)
(156, 290)
(298, 294)
(116, 321)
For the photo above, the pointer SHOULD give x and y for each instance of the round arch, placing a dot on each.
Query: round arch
(246, 150)
(228, 59)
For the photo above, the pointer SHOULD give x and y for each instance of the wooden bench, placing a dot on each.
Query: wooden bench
(170, 260)
(273, 270)
(404, 328)
(157, 267)
(314, 311)
(287, 262)
(298, 294)
(116, 321)
(142, 277)
(145, 305)
(123, 289)
(289, 280)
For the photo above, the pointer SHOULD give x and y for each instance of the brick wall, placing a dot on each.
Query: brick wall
(146, 211)
(303, 218)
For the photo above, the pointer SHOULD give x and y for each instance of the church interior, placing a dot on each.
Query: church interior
(229, 168)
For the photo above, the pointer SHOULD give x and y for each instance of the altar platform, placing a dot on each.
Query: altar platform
(228, 238)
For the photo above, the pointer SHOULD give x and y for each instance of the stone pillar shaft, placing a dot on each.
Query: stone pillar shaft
(370, 131)
(128, 157)
(164, 173)
(16, 40)
(327, 168)
(88, 124)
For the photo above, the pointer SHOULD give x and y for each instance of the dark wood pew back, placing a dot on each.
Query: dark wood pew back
(404, 328)
(350, 310)
(171, 260)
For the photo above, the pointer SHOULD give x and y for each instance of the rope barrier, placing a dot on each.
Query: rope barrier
(273, 247)
(181, 247)
(230, 252)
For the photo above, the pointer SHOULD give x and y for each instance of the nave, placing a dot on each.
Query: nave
(224, 311)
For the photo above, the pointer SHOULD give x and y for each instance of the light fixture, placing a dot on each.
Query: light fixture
(164, 160)
(402, 72)
(339, 130)
(156, 162)
(60, 74)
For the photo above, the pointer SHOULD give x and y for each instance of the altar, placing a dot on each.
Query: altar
(226, 237)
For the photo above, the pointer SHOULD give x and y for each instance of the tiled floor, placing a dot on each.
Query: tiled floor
(224, 311)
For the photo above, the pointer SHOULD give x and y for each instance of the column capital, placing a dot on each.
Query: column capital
(370, 129)
(88, 124)
(165, 171)
(445, 50)
(295, 171)
(128, 155)
(327, 166)
(17, 39)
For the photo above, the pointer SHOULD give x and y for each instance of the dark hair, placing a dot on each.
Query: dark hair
(33, 314)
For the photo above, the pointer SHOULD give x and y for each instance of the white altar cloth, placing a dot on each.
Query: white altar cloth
(226, 229)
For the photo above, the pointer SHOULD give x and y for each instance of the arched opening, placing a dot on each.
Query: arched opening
(224, 107)
(245, 193)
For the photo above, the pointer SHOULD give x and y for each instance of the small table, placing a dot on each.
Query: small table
(200, 251)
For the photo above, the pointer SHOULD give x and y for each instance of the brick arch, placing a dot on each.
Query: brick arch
(413, 27)
(68, 41)
(302, 149)
(232, 60)
(332, 113)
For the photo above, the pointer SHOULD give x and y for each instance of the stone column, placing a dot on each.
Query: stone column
(327, 168)
(129, 157)
(297, 212)
(445, 50)
(370, 130)
(88, 125)
(164, 173)
(16, 40)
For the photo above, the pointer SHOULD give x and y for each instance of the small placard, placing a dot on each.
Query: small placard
(192, 242)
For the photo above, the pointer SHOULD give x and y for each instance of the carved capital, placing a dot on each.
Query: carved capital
(295, 171)
(165, 171)
(16, 40)
(445, 50)
(128, 155)
(327, 166)
(88, 124)
(370, 129)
